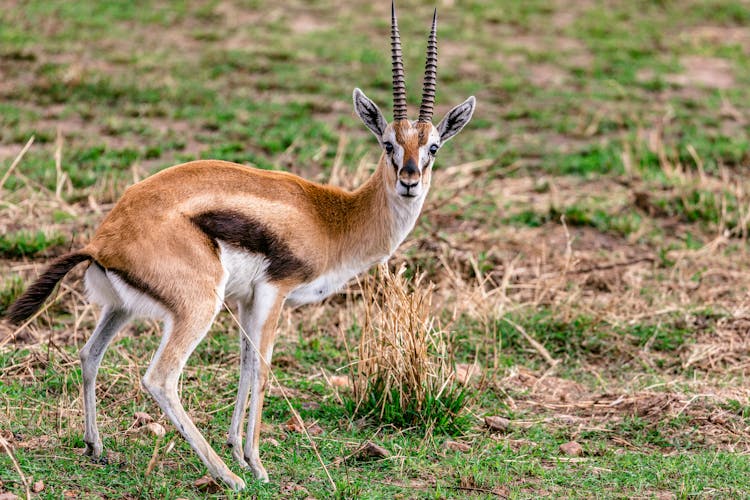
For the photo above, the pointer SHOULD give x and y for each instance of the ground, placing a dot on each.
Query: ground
(587, 236)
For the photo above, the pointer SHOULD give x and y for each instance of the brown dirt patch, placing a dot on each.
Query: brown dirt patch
(301, 23)
(725, 349)
(701, 71)
(547, 75)
(569, 405)
(719, 35)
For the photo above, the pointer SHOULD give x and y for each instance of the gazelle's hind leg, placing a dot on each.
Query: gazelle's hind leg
(162, 377)
(111, 321)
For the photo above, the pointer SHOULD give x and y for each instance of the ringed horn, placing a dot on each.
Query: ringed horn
(399, 85)
(430, 75)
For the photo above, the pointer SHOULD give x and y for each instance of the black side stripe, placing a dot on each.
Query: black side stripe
(255, 237)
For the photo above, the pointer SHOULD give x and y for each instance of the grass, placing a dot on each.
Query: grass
(403, 375)
(24, 243)
(598, 200)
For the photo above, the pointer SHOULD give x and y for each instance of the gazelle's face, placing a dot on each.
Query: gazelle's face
(410, 149)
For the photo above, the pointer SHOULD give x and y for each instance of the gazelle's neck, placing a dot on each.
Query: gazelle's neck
(380, 219)
(364, 227)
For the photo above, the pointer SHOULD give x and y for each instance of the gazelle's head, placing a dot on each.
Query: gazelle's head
(410, 147)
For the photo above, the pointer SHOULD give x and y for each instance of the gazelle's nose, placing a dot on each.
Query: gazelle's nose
(408, 177)
(410, 167)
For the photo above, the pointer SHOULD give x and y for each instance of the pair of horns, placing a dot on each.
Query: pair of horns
(430, 72)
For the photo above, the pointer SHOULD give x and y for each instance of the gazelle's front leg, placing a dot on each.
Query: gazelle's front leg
(259, 324)
(249, 336)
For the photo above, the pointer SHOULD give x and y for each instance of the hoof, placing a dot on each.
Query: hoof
(234, 482)
(93, 450)
(258, 470)
(240, 458)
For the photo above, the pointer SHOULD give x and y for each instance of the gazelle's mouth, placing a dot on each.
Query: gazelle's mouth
(408, 191)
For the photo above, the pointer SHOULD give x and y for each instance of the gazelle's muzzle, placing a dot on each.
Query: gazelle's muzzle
(409, 178)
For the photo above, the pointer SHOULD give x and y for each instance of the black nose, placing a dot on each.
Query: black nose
(410, 167)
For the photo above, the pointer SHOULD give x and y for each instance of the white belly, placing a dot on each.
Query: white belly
(243, 271)
(323, 286)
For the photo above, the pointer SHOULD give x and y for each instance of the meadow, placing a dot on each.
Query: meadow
(586, 234)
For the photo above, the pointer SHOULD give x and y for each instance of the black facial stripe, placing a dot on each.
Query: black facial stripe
(249, 234)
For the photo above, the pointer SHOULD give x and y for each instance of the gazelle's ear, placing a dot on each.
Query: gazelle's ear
(369, 113)
(456, 119)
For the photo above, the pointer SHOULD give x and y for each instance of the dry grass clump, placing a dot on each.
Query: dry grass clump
(405, 375)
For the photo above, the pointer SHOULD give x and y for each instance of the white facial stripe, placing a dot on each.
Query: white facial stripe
(425, 158)
(398, 155)
(398, 152)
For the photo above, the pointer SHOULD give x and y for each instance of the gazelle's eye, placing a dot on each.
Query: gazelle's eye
(388, 147)
(433, 149)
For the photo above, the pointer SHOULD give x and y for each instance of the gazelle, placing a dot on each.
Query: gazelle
(180, 242)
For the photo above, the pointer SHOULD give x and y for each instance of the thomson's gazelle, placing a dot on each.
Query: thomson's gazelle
(181, 242)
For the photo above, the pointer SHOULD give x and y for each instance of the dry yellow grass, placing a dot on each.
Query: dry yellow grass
(405, 370)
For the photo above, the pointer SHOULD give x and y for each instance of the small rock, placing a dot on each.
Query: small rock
(207, 484)
(294, 424)
(141, 419)
(456, 446)
(156, 429)
(339, 381)
(572, 449)
(310, 405)
(272, 442)
(497, 424)
(8, 496)
(71, 493)
(371, 450)
(315, 430)
(37, 486)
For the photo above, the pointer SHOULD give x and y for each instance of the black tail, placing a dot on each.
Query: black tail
(33, 298)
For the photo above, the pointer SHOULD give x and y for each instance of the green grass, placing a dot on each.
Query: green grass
(621, 224)
(27, 244)
(12, 287)
(441, 412)
(51, 450)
